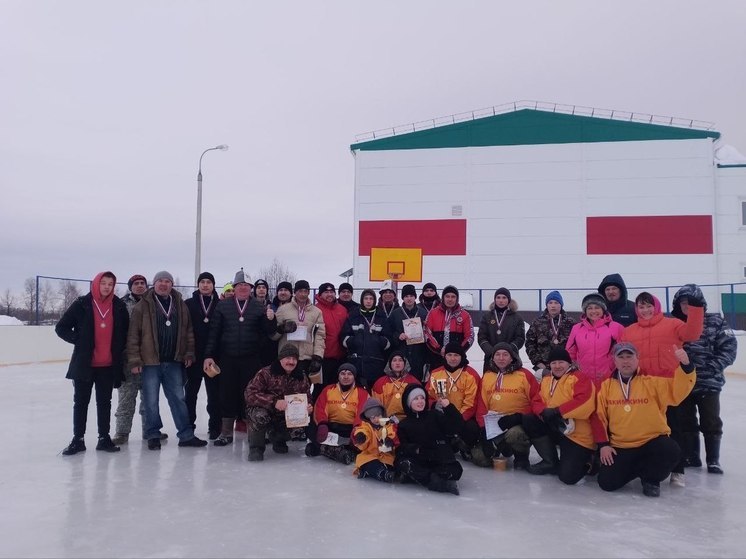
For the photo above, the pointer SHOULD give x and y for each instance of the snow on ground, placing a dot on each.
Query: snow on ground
(6, 320)
(211, 502)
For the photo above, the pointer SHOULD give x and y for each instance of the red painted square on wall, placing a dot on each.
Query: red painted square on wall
(650, 234)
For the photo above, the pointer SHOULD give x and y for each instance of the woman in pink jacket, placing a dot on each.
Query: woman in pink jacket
(592, 339)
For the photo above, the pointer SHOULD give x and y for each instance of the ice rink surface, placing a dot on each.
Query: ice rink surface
(211, 502)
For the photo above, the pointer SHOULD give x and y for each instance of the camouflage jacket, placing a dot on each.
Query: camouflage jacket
(712, 353)
(272, 383)
(540, 335)
(130, 302)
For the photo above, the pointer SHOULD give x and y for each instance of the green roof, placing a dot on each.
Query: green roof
(531, 126)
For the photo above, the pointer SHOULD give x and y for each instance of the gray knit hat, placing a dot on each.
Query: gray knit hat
(372, 407)
(163, 275)
(288, 350)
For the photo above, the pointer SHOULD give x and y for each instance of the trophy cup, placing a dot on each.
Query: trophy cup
(383, 447)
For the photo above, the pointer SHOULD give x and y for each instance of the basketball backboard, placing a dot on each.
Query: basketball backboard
(399, 264)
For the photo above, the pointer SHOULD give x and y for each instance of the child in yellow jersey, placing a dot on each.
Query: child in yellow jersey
(376, 439)
(389, 388)
(633, 434)
(568, 395)
(459, 383)
(335, 412)
(512, 392)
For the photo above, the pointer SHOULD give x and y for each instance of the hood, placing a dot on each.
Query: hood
(515, 364)
(613, 279)
(512, 306)
(369, 404)
(690, 291)
(96, 287)
(368, 292)
(656, 306)
(405, 396)
(407, 369)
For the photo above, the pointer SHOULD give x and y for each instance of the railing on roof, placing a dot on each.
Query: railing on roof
(609, 114)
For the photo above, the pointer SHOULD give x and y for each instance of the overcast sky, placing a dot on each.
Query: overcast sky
(106, 108)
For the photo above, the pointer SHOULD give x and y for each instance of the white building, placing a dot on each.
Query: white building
(553, 197)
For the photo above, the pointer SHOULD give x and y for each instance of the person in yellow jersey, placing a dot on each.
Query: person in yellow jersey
(335, 413)
(567, 395)
(459, 383)
(509, 396)
(389, 388)
(375, 437)
(633, 435)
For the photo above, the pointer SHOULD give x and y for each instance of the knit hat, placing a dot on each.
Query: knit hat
(594, 299)
(288, 350)
(510, 348)
(450, 289)
(228, 288)
(455, 347)
(301, 284)
(325, 287)
(285, 285)
(347, 367)
(133, 279)
(429, 285)
(163, 275)
(624, 346)
(371, 408)
(559, 354)
(554, 296)
(207, 276)
(503, 291)
(346, 287)
(261, 282)
(408, 289)
(416, 391)
(241, 277)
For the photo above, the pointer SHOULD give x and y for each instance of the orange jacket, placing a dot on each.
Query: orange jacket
(462, 387)
(334, 406)
(631, 422)
(390, 391)
(575, 396)
(518, 393)
(655, 337)
(373, 438)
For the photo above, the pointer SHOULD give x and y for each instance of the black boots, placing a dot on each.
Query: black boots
(105, 443)
(651, 489)
(442, 485)
(691, 450)
(338, 453)
(712, 454)
(549, 459)
(520, 461)
(75, 446)
(256, 446)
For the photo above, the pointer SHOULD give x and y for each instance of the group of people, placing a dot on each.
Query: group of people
(388, 385)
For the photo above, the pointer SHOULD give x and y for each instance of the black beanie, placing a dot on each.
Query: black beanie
(324, 286)
(285, 285)
(301, 284)
(429, 285)
(346, 287)
(503, 291)
(261, 282)
(450, 289)
(207, 276)
(408, 290)
(559, 354)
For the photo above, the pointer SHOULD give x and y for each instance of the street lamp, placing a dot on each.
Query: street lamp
(198, 234)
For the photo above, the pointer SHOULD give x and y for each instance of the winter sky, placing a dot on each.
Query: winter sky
(108, 106)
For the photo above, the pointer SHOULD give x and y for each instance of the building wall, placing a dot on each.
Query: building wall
(526, 208)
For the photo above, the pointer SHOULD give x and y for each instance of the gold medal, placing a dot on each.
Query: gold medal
(398, 396)
(628, 408)
(344, 405)
(498, 397)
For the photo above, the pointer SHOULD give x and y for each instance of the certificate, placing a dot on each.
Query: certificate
(296, 412)
(491, 427)
(413, 331)
(300, 334)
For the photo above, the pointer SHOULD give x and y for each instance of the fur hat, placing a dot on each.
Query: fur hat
(288, 350)
(594, 299)
(241, 277)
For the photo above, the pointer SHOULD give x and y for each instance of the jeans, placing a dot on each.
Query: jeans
(168, 375)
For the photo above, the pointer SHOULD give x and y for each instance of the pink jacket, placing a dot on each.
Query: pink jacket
(589, 345)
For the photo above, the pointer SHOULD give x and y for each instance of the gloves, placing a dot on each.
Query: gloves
(508, 421)
(388, 441)
(322, 433)
(550, 414)
(359, 438)
(695, 302)
(287, 327)
(315, 365)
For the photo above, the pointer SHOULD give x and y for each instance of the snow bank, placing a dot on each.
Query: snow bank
(6, 320)
(31, 344)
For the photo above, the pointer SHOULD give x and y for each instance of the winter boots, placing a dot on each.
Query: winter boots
(520, 461)
(105, 443)
(120, 439)
(338, 453)
(256, 446)
(549, 459)
(712, 454)
(226, 433)
(75, 446)
(442, 485)
(278, 440)
(651, 489)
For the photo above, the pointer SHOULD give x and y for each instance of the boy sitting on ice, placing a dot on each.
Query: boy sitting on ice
(376, 439)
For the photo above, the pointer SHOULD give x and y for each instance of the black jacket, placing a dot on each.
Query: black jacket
(621, 311)
(416, 354)
(367, 345)
(199, 326)
(77, 327)
(232, 338)
(422, 435)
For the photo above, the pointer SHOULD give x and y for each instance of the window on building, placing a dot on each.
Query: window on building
(743, 213)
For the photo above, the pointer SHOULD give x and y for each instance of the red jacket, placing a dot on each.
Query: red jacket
(334, 319)
(461, 329)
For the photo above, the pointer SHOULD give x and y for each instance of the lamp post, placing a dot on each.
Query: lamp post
(198, 234)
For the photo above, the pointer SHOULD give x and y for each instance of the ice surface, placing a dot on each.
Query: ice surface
(211, 502)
